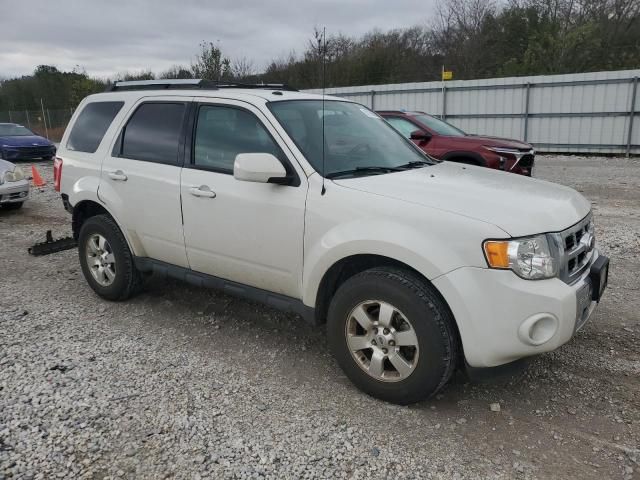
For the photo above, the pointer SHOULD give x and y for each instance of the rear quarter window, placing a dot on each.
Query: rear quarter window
(92, 123)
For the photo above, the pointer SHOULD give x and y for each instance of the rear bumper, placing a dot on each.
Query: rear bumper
(14, 192)
(502, 318)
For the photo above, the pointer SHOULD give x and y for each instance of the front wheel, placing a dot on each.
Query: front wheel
(105, 258)
(393, 335)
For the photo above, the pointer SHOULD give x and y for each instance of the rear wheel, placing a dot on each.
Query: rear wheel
(105, 258)
(393, 335)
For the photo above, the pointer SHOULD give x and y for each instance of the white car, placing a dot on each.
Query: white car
(317, 206)
(14, 187)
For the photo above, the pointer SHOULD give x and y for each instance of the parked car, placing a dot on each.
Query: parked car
(14, 187)
(20, 143)
(317, 206)
(443, 141)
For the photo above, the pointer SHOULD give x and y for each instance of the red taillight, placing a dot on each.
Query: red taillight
(57, 173)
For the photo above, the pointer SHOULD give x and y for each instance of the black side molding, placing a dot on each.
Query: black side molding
(274, 300)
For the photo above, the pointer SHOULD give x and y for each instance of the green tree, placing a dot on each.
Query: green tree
(209, 63)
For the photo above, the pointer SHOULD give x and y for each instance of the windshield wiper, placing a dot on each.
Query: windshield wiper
(415, 164)
(363, 171)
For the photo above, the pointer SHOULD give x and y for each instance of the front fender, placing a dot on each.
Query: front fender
(428, 254)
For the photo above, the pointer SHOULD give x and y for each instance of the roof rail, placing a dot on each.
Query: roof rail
(189, 83)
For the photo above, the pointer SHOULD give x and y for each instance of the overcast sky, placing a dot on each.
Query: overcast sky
(107, 37)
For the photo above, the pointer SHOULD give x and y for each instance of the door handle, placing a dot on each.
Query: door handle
(202, 191)
(118, 175)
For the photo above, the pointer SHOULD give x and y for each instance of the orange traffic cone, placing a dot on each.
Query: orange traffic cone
(37, 179)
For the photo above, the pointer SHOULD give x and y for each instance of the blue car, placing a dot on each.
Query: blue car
(20, 143)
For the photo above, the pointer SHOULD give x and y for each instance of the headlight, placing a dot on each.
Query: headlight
(529, 258)
(15, 176)
(510, 151)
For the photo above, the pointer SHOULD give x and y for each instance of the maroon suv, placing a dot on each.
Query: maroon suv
(446, 142)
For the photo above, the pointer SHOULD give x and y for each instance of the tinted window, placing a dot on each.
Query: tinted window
(223, 132)
(405, 127)
(91, 125)
(153, 133)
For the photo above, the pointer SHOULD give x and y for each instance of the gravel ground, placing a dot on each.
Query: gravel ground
(181, 382)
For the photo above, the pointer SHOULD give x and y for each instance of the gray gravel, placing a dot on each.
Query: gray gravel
(181, 382)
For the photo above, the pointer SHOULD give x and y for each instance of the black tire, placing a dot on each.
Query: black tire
(127, 278)
(429, 316)
(12, 206)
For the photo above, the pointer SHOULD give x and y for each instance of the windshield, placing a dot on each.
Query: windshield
(355, 137)
(10, 130)
(439, 126)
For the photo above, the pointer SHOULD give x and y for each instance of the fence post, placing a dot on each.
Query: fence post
(28, 122)
(444, 101)
(49, 118)
(44, 119)
(632, 114)
(526, 112)
(373, 100)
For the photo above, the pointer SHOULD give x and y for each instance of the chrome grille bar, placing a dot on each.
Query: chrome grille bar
(575, 246)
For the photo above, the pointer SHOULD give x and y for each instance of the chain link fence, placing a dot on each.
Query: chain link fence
(49, 123)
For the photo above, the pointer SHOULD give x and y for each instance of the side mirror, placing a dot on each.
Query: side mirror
(420, 136)
(259, 167)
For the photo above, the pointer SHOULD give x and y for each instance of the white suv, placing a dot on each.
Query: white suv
(317, 206)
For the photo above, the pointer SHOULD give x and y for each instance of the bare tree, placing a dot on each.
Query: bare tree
(242, 69)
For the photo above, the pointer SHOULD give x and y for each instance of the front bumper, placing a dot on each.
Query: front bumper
(521, 164)
(14, 192)
(502, 317)
(28, 153)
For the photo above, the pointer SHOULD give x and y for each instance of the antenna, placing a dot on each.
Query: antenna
(324, 57)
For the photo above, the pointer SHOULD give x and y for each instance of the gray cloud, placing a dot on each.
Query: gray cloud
(108, 37)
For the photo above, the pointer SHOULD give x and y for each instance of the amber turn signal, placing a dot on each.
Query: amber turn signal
(497, 253)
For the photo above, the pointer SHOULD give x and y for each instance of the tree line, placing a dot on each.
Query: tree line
(473, 38)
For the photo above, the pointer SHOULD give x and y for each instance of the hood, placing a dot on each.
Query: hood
(516, 204)
(6, 166)
(493, 142)
(24, 141)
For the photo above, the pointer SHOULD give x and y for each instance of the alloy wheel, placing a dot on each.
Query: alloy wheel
(382, 341)
(100, 259)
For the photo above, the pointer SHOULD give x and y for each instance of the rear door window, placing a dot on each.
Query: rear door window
(153, 133)
(92, 123)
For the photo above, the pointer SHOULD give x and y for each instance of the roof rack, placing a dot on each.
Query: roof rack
(192, 83)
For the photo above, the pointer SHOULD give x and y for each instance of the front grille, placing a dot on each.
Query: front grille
(526, 161)
(576, 246)
(31, 152)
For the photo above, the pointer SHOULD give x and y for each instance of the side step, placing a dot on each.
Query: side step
(271, 299)
(52, 246)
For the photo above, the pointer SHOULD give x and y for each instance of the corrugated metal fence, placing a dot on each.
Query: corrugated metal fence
(577, 113)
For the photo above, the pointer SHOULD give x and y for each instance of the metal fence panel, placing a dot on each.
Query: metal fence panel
(48, 123)
(595, 112)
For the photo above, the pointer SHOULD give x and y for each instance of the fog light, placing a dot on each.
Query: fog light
(538, 329)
